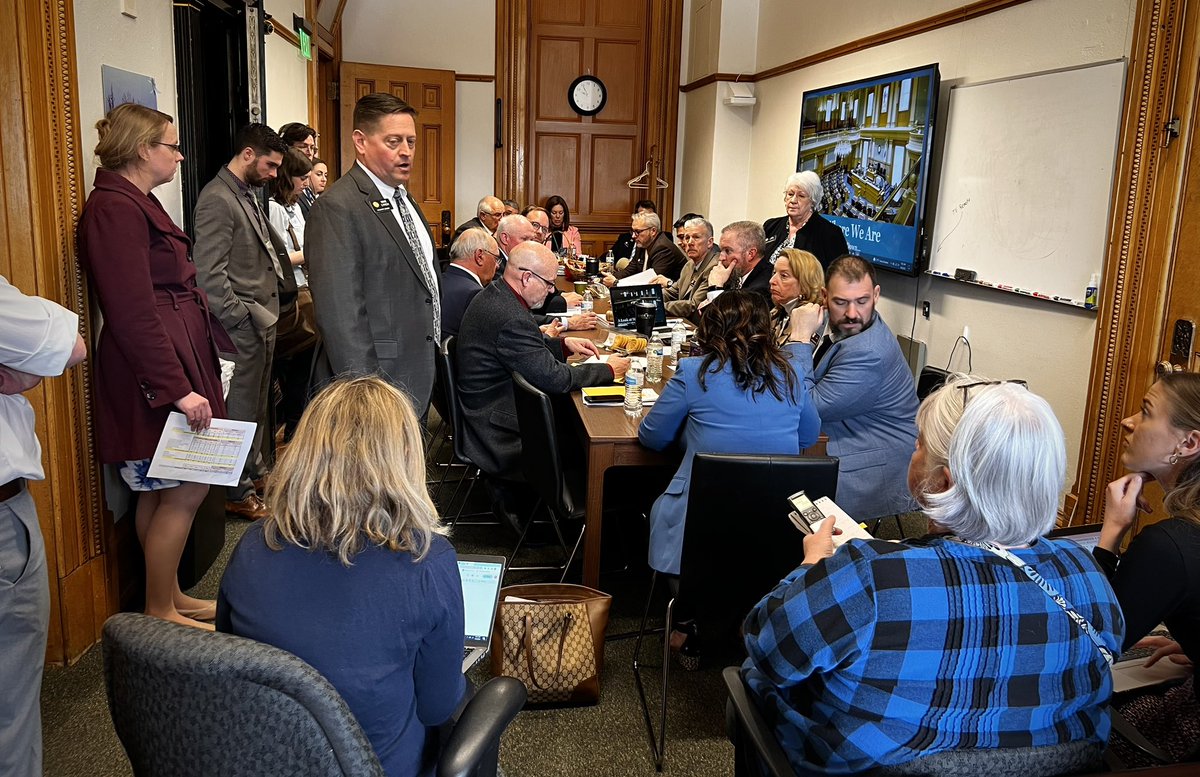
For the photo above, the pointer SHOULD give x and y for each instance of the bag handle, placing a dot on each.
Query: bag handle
(527, 640)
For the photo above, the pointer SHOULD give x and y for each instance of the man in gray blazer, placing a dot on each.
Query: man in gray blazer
(497, 338)
(684, 296)
(372, 265)
(242, 264)
(864, 392)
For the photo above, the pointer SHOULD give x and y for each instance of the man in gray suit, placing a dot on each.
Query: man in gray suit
(372, 266)
(497, 338)
(684, 296)
(864, 392)
(242, 264)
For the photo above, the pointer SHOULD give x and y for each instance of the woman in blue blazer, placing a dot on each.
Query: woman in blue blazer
(742, 396)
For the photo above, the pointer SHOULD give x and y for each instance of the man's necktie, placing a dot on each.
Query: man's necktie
(262, 231)
(414, 242)
(826, 342)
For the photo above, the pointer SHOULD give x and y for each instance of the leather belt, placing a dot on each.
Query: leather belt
(11, 489)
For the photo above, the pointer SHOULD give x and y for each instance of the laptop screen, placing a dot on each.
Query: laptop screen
(481, 577)
(1087, 536)
(622, 299)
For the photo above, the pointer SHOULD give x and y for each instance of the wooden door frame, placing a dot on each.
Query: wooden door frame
(1151, 176)
(512, 80)
(43, 196)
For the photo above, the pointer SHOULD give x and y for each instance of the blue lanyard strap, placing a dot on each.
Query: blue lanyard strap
(1054, 595)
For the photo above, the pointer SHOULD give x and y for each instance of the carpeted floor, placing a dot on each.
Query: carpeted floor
(608, 739)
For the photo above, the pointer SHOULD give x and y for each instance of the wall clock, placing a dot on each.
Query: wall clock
(587, 95)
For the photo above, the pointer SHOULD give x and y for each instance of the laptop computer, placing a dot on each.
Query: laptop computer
(1128, 672)
(1087, 536)
(481, 578)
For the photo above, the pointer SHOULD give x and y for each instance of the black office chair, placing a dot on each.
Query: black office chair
(756, 751)
(560, 490)
(738, 543)
(447, 378)
(189, 702)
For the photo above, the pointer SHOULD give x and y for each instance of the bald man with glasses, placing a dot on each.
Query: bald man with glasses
(498, 337)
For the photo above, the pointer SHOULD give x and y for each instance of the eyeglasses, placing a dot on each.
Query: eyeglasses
(789, 195)
(966, 388)
(494, 254)
(549, 284)
(540, 229)
(178, 149)
(636, 232)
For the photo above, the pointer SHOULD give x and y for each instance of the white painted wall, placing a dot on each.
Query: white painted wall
(145, 45)
(286, 70)
(458, 36)
(1047, 344)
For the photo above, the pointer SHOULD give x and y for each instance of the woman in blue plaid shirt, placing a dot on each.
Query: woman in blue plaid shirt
(945, 654)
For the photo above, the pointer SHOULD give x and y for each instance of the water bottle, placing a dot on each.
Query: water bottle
(654, 359)
(678, 336)
(612, 263)
(587, 305)
(633, 391)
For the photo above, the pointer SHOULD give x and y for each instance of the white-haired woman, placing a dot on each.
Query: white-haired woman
(803, 227)
(351, 572)
(930, 654)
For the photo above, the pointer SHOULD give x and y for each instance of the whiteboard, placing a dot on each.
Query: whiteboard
(1026, 180)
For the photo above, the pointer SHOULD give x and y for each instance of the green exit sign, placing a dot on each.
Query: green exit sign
(304, 34)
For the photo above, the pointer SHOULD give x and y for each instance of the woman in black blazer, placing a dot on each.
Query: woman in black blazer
(803, 227)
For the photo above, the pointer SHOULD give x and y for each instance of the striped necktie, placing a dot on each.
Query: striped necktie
(414, 242)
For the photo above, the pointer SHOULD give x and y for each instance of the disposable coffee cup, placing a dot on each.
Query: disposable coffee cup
(644, 313)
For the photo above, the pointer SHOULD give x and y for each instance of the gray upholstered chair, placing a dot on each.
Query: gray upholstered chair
(189, 702)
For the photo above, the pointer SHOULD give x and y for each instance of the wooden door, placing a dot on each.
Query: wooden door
(546, 148)
(431, 92)
(1152, 268)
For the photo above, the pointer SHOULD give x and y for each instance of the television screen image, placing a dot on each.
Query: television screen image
(869, 142)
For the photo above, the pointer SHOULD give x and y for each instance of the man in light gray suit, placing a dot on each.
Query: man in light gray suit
(684, 296)
(371, 261)
(242, 264)
(864, 392)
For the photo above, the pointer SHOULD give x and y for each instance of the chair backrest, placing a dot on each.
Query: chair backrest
(756, 751)
(738, 542)
(914, 353)
(447, 375)
(541, 464)
(190, 702)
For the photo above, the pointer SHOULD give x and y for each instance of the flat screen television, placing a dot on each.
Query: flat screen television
(870, 142)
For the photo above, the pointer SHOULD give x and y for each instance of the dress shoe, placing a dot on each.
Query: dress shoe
(252, 508)
(507, 517)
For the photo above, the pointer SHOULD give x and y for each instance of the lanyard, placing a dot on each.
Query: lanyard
(1058, 598)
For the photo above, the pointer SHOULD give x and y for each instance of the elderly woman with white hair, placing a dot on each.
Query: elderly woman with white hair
(803, 227)
(982, 645)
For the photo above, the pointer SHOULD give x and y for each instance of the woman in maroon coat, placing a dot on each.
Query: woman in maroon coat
(157, 351)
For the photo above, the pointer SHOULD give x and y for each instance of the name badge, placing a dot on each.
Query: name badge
(381, 205)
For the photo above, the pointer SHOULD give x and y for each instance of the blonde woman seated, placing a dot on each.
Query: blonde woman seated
(796, 279)
(351, 572)
(948, 654)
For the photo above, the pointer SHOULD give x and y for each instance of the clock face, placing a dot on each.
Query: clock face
(587, 95)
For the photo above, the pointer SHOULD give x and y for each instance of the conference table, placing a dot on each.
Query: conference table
(610, 439)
